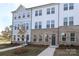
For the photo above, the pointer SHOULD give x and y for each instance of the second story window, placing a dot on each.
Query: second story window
(40, 12)
(14, 17)
(36, 13)
(15, 27)
(36, 25)
(48, 10)
(65, 6)
(23, 16)
(52, 23)
(40, 25)
(65, 21)
(14, 37)
(71, 6)
(71, 22)
(19, 16)
(52, 10)
(27, 26)
(48, 24)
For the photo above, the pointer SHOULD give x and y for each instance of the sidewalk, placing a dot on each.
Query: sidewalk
(6, 49)
(48, 52)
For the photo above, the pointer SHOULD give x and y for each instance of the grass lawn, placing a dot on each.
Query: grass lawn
(30, 50)
(6, 44)
(67, 51)
(2, 46)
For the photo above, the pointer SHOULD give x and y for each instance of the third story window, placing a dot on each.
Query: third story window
(52, 10)
(71, 6)
(48, 11)
(66, 6)
(36, 13)
(40, 12)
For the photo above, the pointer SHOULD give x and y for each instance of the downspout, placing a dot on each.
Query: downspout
(58, 21)
(31, 26)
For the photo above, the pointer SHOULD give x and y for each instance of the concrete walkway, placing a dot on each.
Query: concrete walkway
(48, 51)
(6, 49)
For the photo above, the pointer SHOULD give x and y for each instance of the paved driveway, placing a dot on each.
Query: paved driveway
(48, 51)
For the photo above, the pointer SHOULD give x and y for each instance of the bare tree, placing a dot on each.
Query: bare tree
(7, 33)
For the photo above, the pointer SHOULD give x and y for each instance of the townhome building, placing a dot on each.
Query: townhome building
(51, 24)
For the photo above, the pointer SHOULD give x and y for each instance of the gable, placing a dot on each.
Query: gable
(19, 9)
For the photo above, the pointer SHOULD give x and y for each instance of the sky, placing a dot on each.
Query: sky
(5, 14)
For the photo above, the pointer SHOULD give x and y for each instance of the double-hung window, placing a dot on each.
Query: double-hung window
(48, 10)
(52, 23)
(65, 6)
(71, 6)
(71, 22)
(40, 25)
(65, 21)
(48, 24)
(52, 10)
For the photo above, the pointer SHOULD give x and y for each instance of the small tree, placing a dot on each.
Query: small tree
(22, 30)
(7, 33)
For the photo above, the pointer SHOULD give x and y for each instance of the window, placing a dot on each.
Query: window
(40, 38)
(27, 37)
(70, 21)
(22, 37)
(65, 7)
(14, 17)
(36, 25)
(28, 15)
(71, 6)
(18, 27)
(34, 38)
(14, 37)
(65, 21)
(18, 39)
(15, 27)
(18, 35)
(23, 16)
(40, 25)
(48, 11)
(19, 16)
(52, 24)
(40, 12)
(27, 26)
(52, 10)
(46, 38)
(48, 24)
(63, 36)
(72, 36)
(36, 13)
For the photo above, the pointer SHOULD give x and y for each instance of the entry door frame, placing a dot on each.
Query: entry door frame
(55, 39)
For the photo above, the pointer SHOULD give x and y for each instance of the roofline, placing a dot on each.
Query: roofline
(42, 5)
(37, 6)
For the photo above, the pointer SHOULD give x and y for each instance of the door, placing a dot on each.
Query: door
(53, 39)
